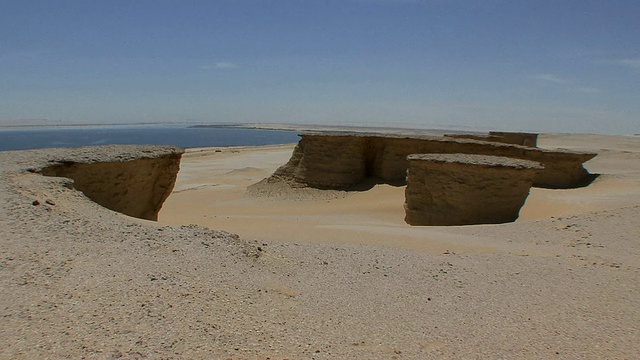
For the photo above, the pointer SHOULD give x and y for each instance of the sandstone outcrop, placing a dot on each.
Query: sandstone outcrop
(515, 138)
(133, 180)
(462, 189)
(338, 160)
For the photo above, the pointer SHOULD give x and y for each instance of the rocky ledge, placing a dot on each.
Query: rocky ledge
(515, 138)
(339, 160)
(133, 180)
(462, 189)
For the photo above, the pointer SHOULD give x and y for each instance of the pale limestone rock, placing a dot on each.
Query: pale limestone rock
(133, 180)
(515, 138)
(461, 189)
(341, 159)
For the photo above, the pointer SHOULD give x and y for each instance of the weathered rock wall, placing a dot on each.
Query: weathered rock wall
(313, 164)
(345, 159)
(132, 180)
(514, 138)
(461, 189)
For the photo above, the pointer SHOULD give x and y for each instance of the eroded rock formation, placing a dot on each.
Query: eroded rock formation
(133, 180)
(462, 189)
(515, 138)
(335, 160)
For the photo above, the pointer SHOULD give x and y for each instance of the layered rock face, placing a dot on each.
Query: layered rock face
(461, 189)
(334, 160)
(331, 162)
(133, 180)
(515, 138)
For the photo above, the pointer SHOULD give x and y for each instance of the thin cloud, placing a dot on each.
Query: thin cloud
(222, 65)
(589, 90)
(393, 1)
(226, 65)
(550, 78)
(24, 55)
(566, 84)
(631, 63)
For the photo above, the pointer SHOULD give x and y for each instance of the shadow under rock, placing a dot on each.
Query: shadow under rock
(370, 182)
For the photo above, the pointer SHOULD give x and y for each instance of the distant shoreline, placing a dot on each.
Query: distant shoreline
(340, 128)
(72, 125)
(408, 128)
(177, 135)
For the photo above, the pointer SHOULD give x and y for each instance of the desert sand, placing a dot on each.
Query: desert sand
(318, 274)
(214, 189)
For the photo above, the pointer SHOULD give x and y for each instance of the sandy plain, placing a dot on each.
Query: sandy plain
(319, 275)
(215, 189)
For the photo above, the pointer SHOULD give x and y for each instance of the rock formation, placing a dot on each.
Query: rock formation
(328, 161)
(133, 180)
(461, 189)
(515, 138)
(338, 160)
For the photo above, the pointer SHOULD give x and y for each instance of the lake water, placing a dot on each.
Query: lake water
(178, 135)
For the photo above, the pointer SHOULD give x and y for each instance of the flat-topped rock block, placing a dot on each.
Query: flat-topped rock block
(328, 162)
(342, 159)
(131, 179)
(515, 138)
(463, 189)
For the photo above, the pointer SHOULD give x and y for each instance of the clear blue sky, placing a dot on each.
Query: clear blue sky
(538, 65)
